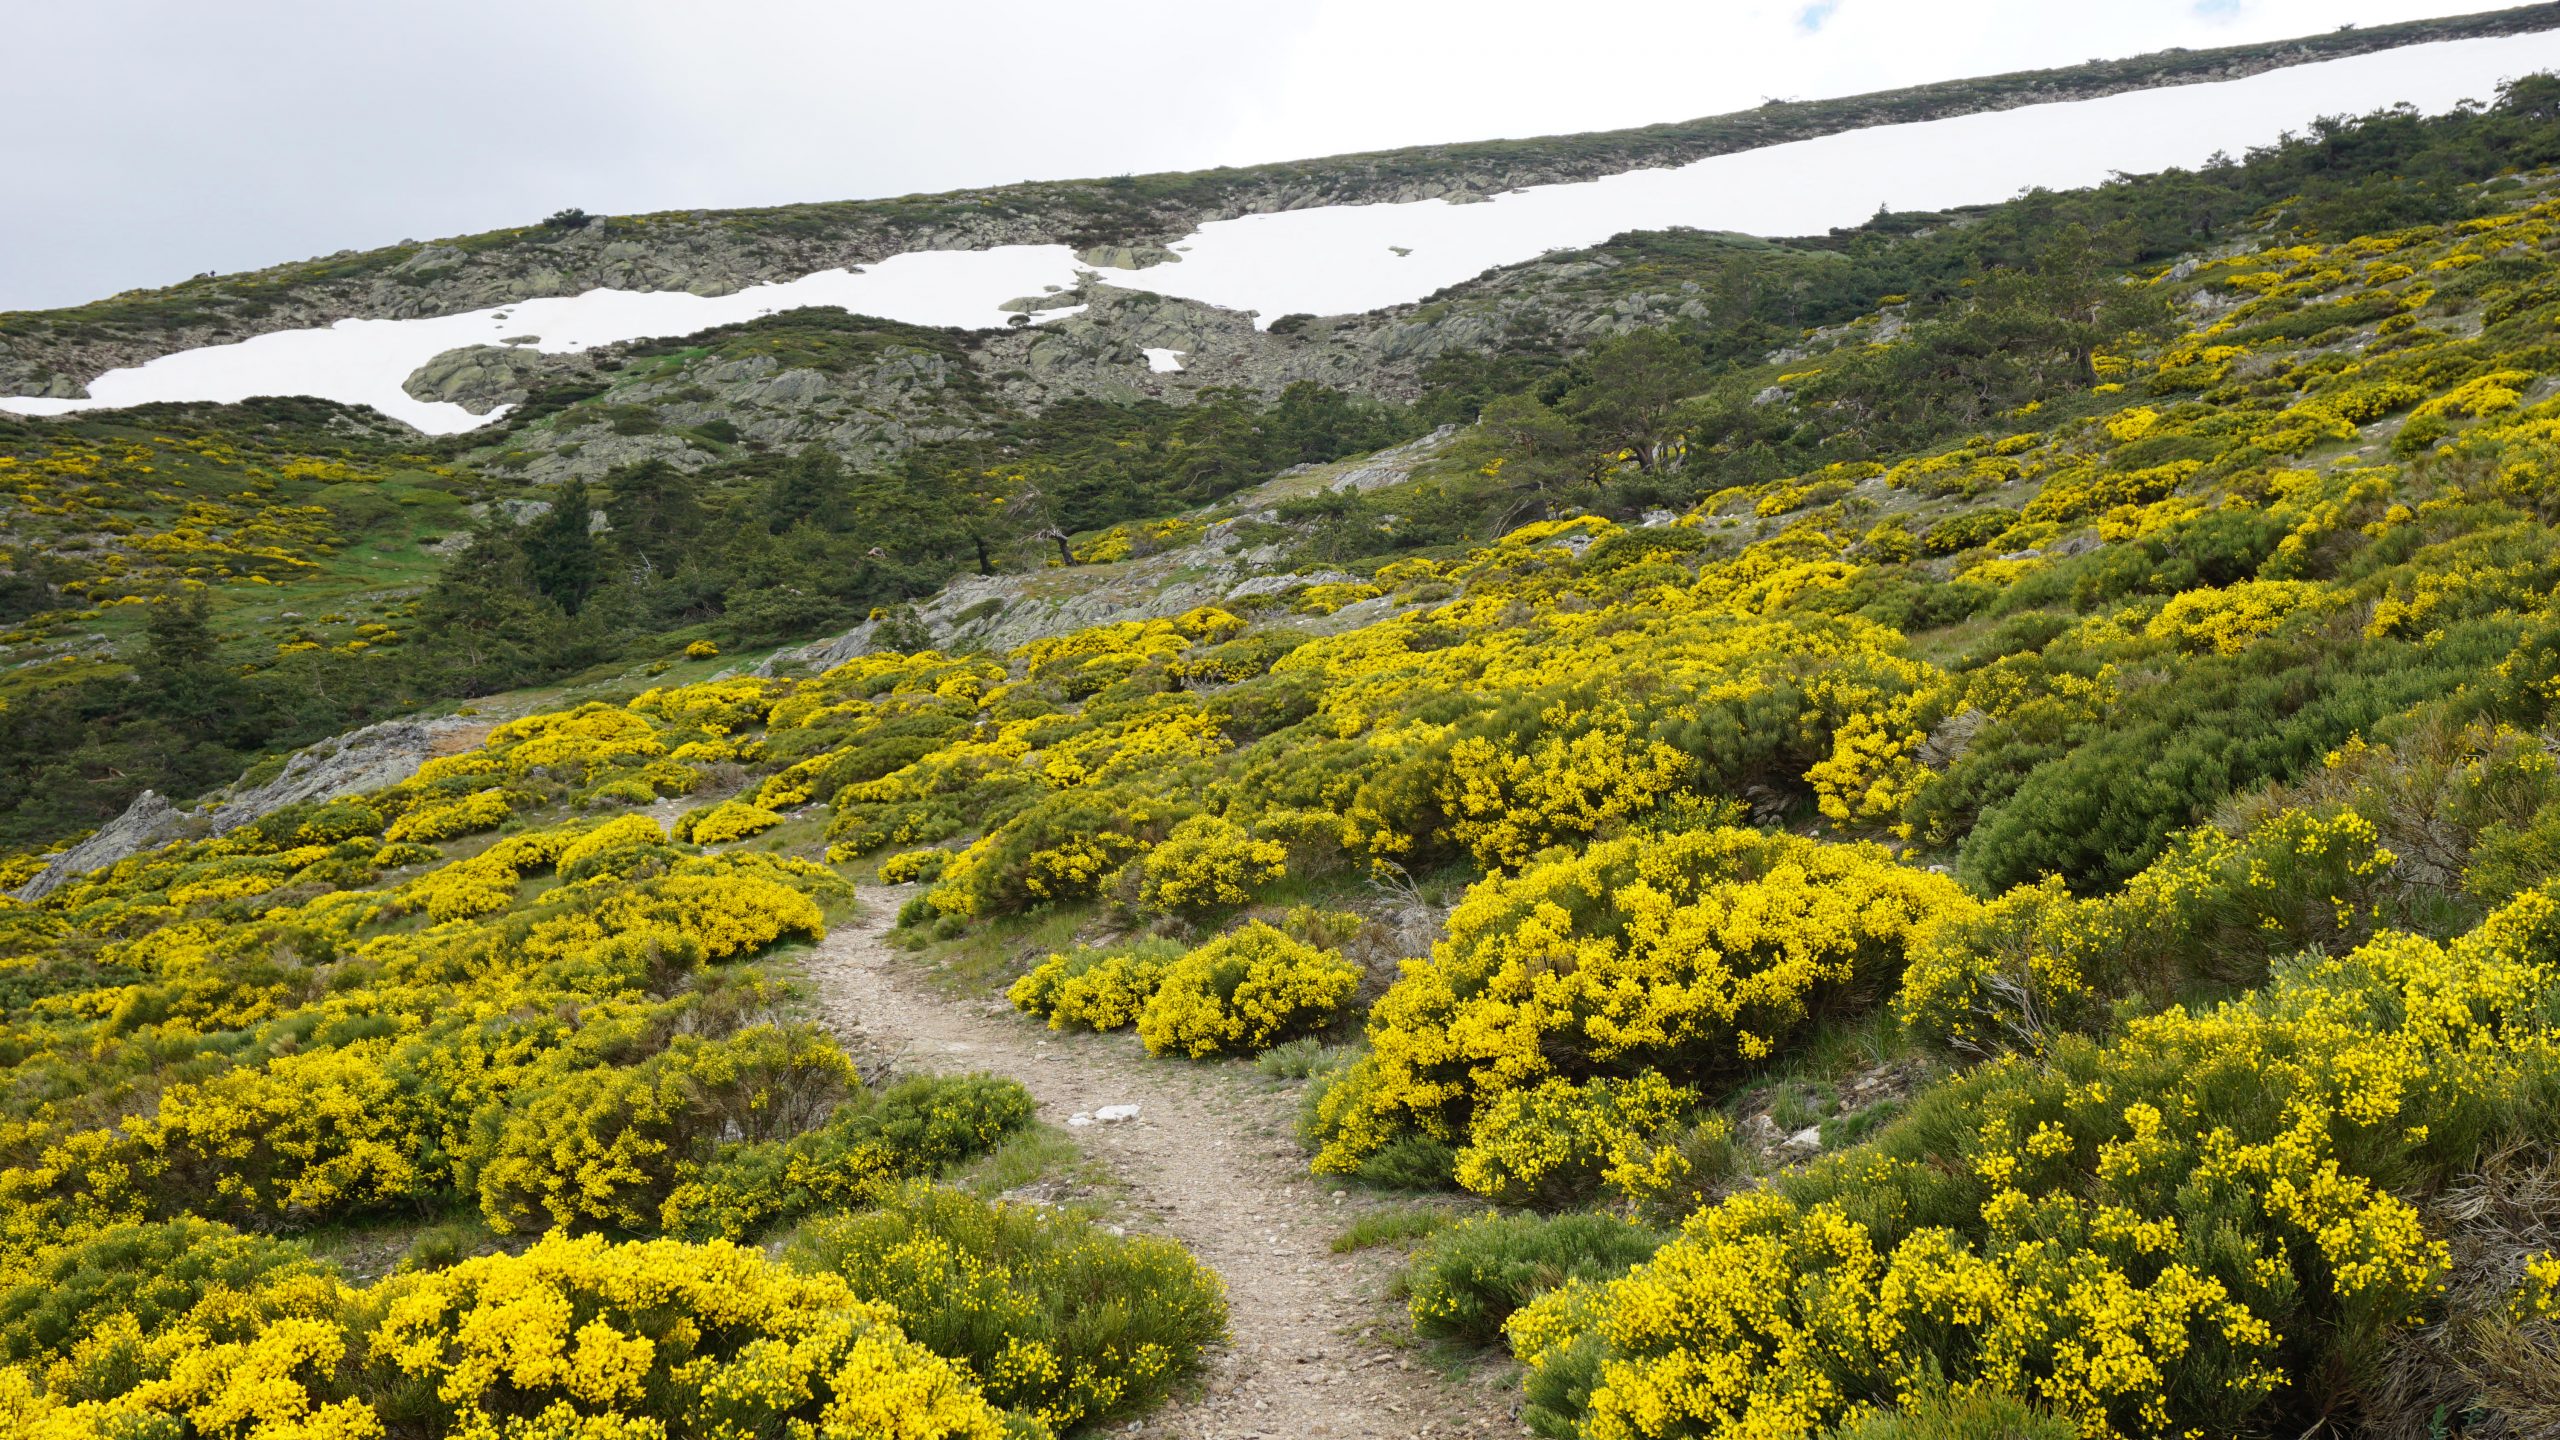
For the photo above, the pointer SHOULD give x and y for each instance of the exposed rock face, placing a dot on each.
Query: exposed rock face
(1127, 257)
(148, 823)
(365, 759)
(479, 378)
(35, 377)
(868, 413)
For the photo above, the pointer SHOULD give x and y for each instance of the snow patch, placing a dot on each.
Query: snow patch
(1163, 362)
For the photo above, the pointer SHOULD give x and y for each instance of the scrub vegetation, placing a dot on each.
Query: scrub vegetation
(1969, 848)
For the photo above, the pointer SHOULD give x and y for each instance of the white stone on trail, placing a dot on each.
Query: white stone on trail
(1114, 1114)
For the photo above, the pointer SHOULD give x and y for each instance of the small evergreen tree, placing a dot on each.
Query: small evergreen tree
(656, 520)
(560, 550)
(484, 625)
(811, 489)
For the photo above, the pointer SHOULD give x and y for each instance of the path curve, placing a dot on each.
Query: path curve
(1211, 1159)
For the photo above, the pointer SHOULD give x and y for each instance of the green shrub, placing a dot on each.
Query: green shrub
(2205, 918)
(1469, 1278)
(1394, 1225)
(1303, 1059)
(1411, 1162)
(1941, 1414)
(920, 1126)
(1045, 1311)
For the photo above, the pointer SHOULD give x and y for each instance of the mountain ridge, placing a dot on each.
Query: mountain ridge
(55, 353)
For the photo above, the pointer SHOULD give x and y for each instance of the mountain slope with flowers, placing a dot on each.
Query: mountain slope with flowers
(1963, 842)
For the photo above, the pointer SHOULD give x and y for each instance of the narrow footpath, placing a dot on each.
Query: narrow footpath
(1210, 1157)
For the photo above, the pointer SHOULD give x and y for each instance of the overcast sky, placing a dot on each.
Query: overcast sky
(159, 138)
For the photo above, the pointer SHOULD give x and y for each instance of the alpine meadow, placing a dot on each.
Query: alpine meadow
(1944, 829)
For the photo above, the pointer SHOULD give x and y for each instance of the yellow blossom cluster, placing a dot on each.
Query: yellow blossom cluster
(2140, 1228)
(1692, 954)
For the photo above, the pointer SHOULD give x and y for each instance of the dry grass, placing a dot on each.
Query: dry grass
(2477, 1371)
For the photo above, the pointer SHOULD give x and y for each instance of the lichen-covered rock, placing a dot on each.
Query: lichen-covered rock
(366, 759)
(149, 822)
(479, 378)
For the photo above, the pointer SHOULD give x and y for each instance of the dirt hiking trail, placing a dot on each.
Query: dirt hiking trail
(1211, 1159)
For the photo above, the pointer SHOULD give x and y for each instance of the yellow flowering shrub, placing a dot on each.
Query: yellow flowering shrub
(2538, 1296)
(663, 1337)
(606, 1146)
(478, 811)
(2135, 1233)
(1507, 803)
(616, 834)
(2483, 395)
(1693, 954)
(1095, 989)
(1207, 863)
(274, 1384)
(725, 822)
(1561, 1141)
(1245, 991)
(1325, 599)
(730, 913)
(910, 866)
(305, 1134)
(2228, 619)
(350, 1048)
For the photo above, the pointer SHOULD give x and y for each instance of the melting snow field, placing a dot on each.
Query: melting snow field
(1349, 259)
(364, 362)
(1162, 362)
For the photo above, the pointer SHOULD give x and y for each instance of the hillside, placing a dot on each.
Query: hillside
(1946, 831)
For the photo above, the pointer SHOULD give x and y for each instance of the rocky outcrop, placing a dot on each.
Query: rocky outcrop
(360, 760)
(366, 759)
(867, 412)
(147, 824)
(1128, 257)
(479, 378)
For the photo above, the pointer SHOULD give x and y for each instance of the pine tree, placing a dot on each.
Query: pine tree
(484, 624)
(560, 553)
(810, 489)
(181, 671)
(656, 520)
